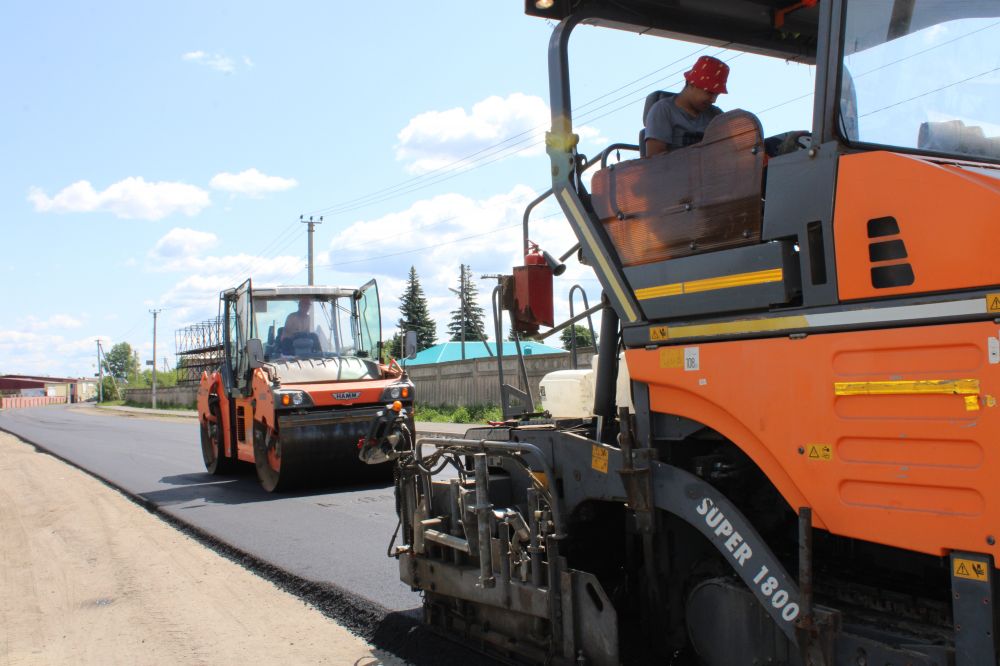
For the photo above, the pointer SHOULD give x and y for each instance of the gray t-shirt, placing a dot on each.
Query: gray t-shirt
(670, 124)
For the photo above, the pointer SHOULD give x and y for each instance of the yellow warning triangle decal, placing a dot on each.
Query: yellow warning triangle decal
(962, 570)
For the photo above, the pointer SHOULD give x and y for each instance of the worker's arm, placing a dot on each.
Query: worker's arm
(655, 147)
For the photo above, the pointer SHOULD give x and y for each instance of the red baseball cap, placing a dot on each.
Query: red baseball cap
(709, 74)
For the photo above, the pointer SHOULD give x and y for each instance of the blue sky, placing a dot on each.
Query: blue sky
(154, 154)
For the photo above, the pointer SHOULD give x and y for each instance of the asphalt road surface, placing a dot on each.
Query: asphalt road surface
(329, 545)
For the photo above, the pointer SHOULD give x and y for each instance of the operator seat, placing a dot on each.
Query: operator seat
(651, 99)
(691, 200)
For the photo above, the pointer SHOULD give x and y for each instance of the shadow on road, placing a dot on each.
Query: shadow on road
(241, 487)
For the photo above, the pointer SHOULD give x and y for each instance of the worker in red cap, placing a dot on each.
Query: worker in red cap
(680, 120)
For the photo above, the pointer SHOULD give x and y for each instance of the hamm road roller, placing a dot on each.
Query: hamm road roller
(300, 384)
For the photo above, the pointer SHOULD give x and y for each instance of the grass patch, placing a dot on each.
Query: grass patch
(464, 414)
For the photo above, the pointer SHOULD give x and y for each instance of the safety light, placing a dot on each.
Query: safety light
(544, 4)
(397, 392)
(292, 399)
(396, 406)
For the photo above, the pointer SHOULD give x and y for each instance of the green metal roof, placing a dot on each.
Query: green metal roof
(452, 351)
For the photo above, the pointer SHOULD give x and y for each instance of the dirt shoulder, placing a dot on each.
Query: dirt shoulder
(88, 577)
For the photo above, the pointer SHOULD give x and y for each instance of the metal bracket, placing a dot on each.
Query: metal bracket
(639, 489)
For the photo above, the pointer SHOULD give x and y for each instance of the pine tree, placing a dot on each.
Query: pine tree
(475, 319)
(414, 314)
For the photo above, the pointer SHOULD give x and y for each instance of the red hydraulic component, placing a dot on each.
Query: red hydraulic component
(532, 292)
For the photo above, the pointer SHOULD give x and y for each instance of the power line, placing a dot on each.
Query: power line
(421, 249)
(929, 92)
(350, 204)
(436, 245)
(489, 152)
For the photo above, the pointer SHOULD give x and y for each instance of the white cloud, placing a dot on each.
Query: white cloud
(180, 243)
(495, 127)
(435, 139)
(216, 61)
(196, 296)
(32, 324)
(436, 236)
(39, 346)
(251, 182)
(131, 198)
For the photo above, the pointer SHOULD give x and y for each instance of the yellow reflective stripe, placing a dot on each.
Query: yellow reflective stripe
(915, 387)
(659, 292)
(729, 281)
(601, 260)
(711, 284)
(736, 327)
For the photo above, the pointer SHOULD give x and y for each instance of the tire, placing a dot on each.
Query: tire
(275, 467)
(212, 450)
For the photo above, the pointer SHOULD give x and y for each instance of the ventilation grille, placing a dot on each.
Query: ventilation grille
(241, 424)
(887, 254)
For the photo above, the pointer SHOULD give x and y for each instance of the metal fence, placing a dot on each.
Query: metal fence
(17, 402)
(475, 382)
(198, 349)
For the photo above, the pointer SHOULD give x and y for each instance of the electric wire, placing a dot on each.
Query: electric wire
(929, 92)
(335, 208)
(436, 245)
(519, 146)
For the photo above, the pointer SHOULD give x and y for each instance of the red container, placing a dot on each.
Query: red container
(532, 295)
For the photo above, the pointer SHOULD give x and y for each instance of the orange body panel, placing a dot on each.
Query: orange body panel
(322, 395)
(912, 470)
(947, 219)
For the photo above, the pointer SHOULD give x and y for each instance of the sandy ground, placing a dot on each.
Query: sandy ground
(87, 577)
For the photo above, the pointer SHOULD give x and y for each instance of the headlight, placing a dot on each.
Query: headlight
(291, 399)
(398, 392)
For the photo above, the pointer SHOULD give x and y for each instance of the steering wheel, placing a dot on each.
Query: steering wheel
(299, 344)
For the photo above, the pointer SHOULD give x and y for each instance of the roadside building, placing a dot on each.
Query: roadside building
(35, 386)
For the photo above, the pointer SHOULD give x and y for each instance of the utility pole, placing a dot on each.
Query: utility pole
(100, 374)
(312, 228)
(154, 313)
(461, 297)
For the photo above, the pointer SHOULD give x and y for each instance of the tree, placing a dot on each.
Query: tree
(474, 319)
(393, 347)
(415, 316)
(582, 334)
(121, 362)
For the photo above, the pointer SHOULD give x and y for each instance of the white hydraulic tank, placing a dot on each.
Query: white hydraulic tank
(569, 394)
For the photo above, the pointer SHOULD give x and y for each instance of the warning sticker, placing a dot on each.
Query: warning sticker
(993, 302)
(672, 358)
(599, 459)
(970, 569)
(657, 333)
(822, 452)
